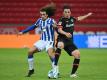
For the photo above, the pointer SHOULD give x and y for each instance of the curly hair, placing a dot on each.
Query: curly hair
(49, 9)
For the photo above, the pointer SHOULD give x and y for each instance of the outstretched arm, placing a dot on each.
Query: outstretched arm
(80, 18)
(28, 29)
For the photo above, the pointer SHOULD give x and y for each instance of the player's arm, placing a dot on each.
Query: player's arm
(54, 24)
(28, 29)
(56, 36)
(31, 27)
(63, 32)
(80, 18)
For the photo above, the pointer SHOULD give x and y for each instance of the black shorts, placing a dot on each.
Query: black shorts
(69, 46)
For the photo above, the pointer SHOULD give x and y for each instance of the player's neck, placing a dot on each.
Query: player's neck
(45, 19)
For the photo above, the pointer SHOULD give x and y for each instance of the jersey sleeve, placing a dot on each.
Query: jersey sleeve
(29, 29)
(37, 22)
(32, 27)
(53, 21)
(75, 19)
(60, 23)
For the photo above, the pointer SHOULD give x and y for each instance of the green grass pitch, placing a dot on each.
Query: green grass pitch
(13, 65)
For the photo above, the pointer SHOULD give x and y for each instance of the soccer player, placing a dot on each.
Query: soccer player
(65, 39)
(46, 24)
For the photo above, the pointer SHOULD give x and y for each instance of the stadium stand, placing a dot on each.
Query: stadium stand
(22, 13)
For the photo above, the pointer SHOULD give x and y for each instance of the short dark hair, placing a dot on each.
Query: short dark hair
(66, 6)
(49, 9)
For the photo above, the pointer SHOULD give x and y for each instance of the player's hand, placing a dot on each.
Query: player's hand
(19, 33)
(68, 35)
(54, 25)
(89, 14)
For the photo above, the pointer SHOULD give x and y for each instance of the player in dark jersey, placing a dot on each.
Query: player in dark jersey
(65, 39)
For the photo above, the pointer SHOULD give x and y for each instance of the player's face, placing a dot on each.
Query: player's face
(67, 13)
(43, 15)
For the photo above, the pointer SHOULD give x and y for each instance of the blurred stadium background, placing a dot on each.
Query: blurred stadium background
(16, 15)
(19, 14)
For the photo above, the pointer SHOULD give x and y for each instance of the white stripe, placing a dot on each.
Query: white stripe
(47, 24)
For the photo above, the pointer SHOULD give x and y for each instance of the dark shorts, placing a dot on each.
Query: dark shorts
(69, 46)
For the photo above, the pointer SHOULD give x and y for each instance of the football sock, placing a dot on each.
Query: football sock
(75, 65)
(53, 61)
(30, 62)
(57, 54)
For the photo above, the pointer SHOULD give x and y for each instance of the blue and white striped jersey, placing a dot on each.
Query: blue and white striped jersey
(46, 29)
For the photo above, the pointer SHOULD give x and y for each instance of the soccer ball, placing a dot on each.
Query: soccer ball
(50, 74)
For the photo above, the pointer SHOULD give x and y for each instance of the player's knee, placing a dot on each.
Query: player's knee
(76, 54)
(51, 52)
(60, 45)
(32, 51)
(58, 50)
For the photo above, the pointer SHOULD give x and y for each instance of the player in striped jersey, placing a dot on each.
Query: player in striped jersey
(47, 25)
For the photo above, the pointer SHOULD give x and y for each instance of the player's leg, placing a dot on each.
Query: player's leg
(50, 51)
(60, 46)
(31, 60)
(38, 46)
(51, 54)
(73, 51)
(76, 62)
(54, 71)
